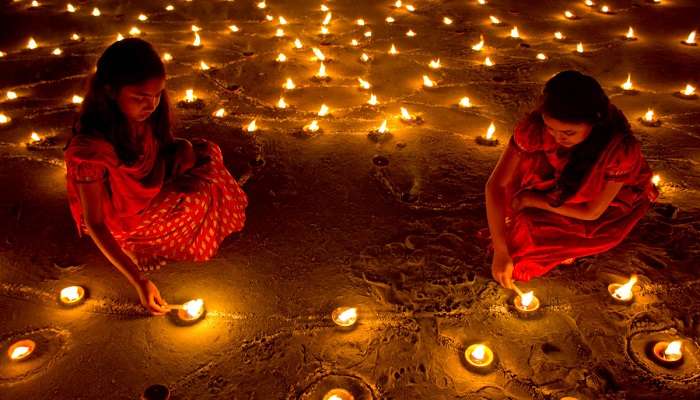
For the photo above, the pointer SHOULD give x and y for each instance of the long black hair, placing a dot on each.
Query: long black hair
(573, 97)
(129, 61)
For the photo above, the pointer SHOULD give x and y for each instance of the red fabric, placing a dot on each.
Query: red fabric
(148, 219)
(539, 240)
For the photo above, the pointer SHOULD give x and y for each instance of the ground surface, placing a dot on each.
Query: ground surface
(331, 224)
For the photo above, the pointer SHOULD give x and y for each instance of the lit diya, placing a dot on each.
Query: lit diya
(408, 118)
(190, 311)
(688, 92)
(380, 134)
(308, 130)
(191, 101)
(5, 121)
(488, 139)
(668, 354)
(338, 394)
(479, 355)
(690, 40)
(21, 349)
(650, 119)
(72, 296)
(629, 36)
(526, 303)
(321, 75)
(345, 316)
(622, 293)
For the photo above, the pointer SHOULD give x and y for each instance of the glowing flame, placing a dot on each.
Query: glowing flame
(351, 313)
(494, 20)
(488, 62)
(169, 7)
(482, 2)
(655, 180)
(624, 292)
(281, 57)
(568, 14)
(447, 21)
(541, 56)
(34, 137)
(142, 17)
(120, 37)
(195, 28)
(233, 28)
(319, 54)
(480, 45)
(691, 38)
(70, 8)
(289, 84)
(382, 128)
(204, 66)
(393, 50)
(398, 4)
(71, 294)
(279, 32)
(490, 131)
(327, 19)
(262, 5)
(390, 19)
(464, 102)
(194, 308)
(649, 116)
(434, 64)
(31, 44)
(364, 57)
(11, 95)
(427, 82)
(312, 127)
(4, 119)
(354, 42)
(478, 353)
(323, 111)
(630, 33)
(20, 352)
(514, 32)
(673, 350)
(364, 84)
(281, 103)
(689, 90)
(252, 126)
(360, 22)
(282, 20)
(220, 113)
(324, 7)
(589, 3)
(410, 8)
(57, 51)
(269, 17)
(321, 71)
(76, 99)
(579, 47)
(410, 33)
(189, 95)
(297, 44)
(559, 35)
(96, 12)
(35, 3)
(324, 30)
(167, 57)
(368, 34)
(197, 40)
(605, 9)
(372, 100)
(75, 36)
(405, 115)
(628, 84)
(526, 299)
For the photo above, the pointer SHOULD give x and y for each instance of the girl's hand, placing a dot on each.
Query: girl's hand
(185, 157)
(502, 269)
(150, 297)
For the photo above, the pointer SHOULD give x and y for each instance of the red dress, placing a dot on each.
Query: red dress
(539, 240)
(151, 220)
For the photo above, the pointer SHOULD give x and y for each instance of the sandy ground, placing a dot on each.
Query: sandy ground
(337, 219)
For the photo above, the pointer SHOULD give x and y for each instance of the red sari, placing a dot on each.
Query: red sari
(149, 219)
(539, 240)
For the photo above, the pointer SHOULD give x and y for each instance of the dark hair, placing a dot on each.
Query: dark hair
(573, 97)
(126, 62)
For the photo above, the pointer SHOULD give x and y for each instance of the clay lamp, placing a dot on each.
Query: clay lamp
(649, 119)
(526, 303)
(668, 354)
(338, 394)
(690, 40)
(622, 293)
(190, 311)
(408, 118)
(479, 355)
(21, 349)
(688, 92)
(71, 295)
(345, 316)
(488, 139)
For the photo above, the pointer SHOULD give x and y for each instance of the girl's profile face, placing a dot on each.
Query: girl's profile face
(139, 101)
(567, 134)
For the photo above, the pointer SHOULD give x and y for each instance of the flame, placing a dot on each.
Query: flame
(20, 352)
(568, 14)
(372, 100)
(35, 3)
(324, 7)
(579, 47)
(360, 22)
(197, 40)
(605, 9)
(75, 36)
(319, 54)
(321, 71)
(655, 180)
(689, 90)
(558, 35)
(2, 54)
(167, 57)
(488, 62)
(382, 128)
(70, 8)
(96, 12)
(465, 102)
(628, 84)
(364, 57)
(252, 126)
(189, 95)
(120, 37)
(630, 33)
(220, 113)
(624, 292)
(514, 32)
(673, 349)
(76, 99)
(490, 131)
(691, 38)
(324, 30)
(34, 137)
(71, 294)
(203, 66)
(434, 64)
(289, 84)
(195, 28)
(233, 28)
(169, 7)
(368, 34)
(194, 308)
(494, 20)
(31, 44)
(327, 19)
(393, 50)
(279, 32)
(478, 353)
(410, 8)
(323, 111)
(364, 84)
(142, 17)
(649, 116)
(11, 95)
(262, 5)
(281, 57)
(482, 2)
(312, 127)
(526, 299)
(354, 42)
(447, 21)
(351, 313)
(4, 119)
(269, 17)
(427, 82)
(541, 56)
(282, 20)
(390, 19)
(57, 51)
(589, 3)
(405, 115)
(398, 4)
(297, 44)
(480, 45)
(281, 103)
(410, 33)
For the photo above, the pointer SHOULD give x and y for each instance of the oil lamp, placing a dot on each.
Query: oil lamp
(354, 43)
(488, 62)
(364, 84)
(297, 44)
(649, 119)
(324, 31)
(70, 8)
(390, 20)
(589, 3)
(234, 28)
(656, 180)
(495, 20)
(252, 126)
(142, 17)
(323, 111)
(11, 95)
(372, 100)
(360, 22)
(269, 18)
(75, 37)
(281, 103)
(427, 82)
(410, 33)
(190, 100)
(321, 75)
(380, 134)
(579, 48)
(134, 31)
(324, 7)
(364, 57)
(622, 293)
(346, 316)
(167, 57)
(220, 113)
(312, 127)
(410, 8)
(447, 20)
(525, 303)
(262, 5)
(464, 102)
(197, 42)
(368, 34)
(393, 50)
(76, 99)
(195, 28)
(481, 2)
(605, 10)
(282, 20)
(627, 86)
(398, 4)
(630, 34)
(279, 32)
(569, 15)
(289, 84)
(4, 120)
(434, 64)
(488, 139)
(35, 3)
(408, 118)
(120, 37)
(57, 51)
(480, 45)
(559, 36)
(514, 33)
(668, 354)
(169, 7)
(31, 44)
(541, 56)
(72, 295)
(35, 138)
(479, 355)
(281, 58)
(338, 394)
(690, 40)
(21, 349)
(96, 12)
(191, 311)
(688, 92)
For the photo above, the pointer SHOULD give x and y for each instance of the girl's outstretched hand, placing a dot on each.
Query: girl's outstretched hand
(150, 298)
(502, 269)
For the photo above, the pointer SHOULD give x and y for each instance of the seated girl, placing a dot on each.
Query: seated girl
(572, 182)
(144, 196)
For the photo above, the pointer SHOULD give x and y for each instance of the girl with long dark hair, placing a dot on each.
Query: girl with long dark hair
(144, 196)
(572, 182)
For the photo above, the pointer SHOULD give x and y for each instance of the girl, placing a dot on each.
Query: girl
(144, 196)
(572, 182)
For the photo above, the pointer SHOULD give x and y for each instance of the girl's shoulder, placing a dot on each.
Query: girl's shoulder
(624, 157)
(82, 147)
(528, 133)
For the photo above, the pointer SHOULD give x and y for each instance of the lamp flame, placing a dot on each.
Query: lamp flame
(70, 8)
(480, 45)
(321, 71)
(514, 32)
(189, 96)
(488, 62)
(689, 90)
(234, 28)
(478, 353)
(656, 179)
(558, 35)
(628, 84)
(279, 32)
(630, 33)
(327, 19)
(464, 102)
(427, 82)
(405, 115)
(541, 56)
(372, 100)
(568, 14)
(624, 292)
(220, 113)
(289, 84)
(96, 12)
(319, 54)
(281, 58)
(281, 103)
(323, 111)
(447, 21)
(204, 66)
(197, 40)
(76, 99)
(649, 115)
(382, 128)
(167, 57)
(579, 47)
(11, 95)
(410, 33)
(297, 44)
(252, 126)
(494, 20)
(194, 308)
(312, 127)
(673, 350)
(4, 119)
(490, 131)
(34, 137)
(526, 299)
(691, 38)
(364, 84)
(393, 50)
(434, 64)
(31, 44)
